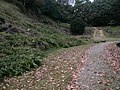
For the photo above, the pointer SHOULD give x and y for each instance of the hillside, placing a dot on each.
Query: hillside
(112, 31)
(49, 45)
(25, 40)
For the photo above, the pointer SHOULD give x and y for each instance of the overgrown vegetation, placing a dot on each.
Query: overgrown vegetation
(77, 26)
(25, 41)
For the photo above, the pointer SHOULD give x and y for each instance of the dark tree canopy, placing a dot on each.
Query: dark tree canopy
(77, 26)
(97, 13)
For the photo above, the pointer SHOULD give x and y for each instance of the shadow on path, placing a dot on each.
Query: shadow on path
(118, 45)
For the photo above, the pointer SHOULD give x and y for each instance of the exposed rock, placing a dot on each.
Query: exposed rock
(10, 28)
(14, 30)
(4, 27)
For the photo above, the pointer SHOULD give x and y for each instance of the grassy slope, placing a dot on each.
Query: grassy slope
(19, 52)
(112, 31)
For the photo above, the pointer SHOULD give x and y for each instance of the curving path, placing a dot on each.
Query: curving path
(97, 75)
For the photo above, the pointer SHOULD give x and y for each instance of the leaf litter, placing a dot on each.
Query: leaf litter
(55, 74)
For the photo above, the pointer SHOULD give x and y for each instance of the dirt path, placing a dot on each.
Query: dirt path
(87, 65)
(97, 74)
(98, 34)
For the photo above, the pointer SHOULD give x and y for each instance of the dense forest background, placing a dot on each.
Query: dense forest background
(97, 13)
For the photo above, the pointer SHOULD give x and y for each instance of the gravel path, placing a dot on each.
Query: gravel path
(97, 75)
(76, 68)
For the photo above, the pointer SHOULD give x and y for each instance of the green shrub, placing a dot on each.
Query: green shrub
(18, 60)
(77, 26)
(17, 56)
(20, 53)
